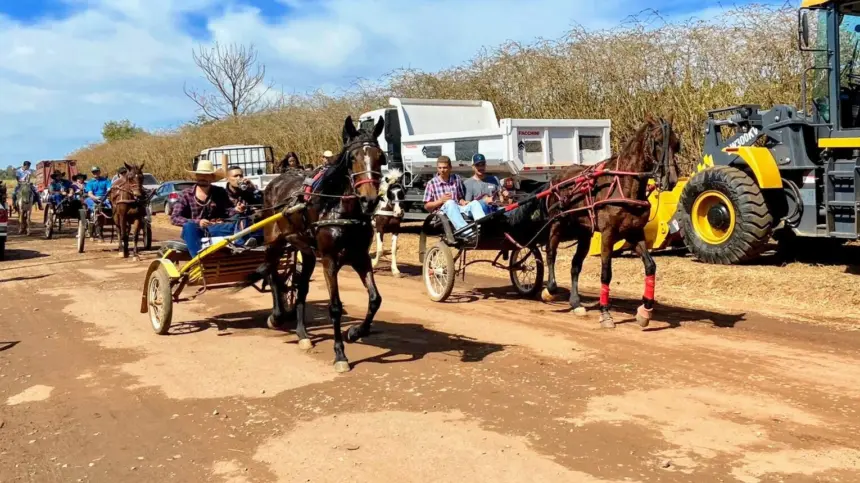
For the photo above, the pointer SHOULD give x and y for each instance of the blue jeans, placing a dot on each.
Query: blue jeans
(193, 235)
(245, 222)
(91, 204)
(454, 212)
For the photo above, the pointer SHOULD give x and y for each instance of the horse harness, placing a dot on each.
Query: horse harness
(586, 183)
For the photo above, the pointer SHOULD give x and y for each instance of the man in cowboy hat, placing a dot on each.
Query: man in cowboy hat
(205, 209)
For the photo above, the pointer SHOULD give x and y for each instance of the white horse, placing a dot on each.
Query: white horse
(388, 216)
(25, 206)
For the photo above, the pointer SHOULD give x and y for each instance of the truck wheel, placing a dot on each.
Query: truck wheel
(724, 216)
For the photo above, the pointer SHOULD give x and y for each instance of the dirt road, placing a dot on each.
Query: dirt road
(482, 388)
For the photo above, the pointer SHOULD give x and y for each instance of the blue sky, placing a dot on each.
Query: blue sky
(67, 66)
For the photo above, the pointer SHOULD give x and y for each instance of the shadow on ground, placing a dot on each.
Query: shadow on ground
(671, 315)
(4, 346)
(414, 341)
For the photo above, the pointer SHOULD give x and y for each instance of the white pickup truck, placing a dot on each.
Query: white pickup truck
(529, 151)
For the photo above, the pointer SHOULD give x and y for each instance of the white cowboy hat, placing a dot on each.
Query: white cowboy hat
(206, 167)
(328, 154)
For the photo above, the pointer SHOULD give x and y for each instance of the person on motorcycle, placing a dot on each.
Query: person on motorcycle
(97, 189)
(22, 173)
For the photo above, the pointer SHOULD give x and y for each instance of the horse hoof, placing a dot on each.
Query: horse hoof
(341, 367)
(643, 316)
(546, 296)
(273, 323)
(580, 311)
(606, 321)
(396, 274)
(306, 344)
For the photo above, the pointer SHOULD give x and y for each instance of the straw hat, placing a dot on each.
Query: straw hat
(205, 167)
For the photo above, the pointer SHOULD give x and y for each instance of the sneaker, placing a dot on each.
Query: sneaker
(251, 243)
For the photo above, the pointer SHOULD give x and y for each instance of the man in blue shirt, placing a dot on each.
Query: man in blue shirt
(97, 189)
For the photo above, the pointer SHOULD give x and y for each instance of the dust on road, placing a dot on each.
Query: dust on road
(484, 388)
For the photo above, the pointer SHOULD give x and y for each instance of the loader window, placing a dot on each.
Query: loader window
(849, 71)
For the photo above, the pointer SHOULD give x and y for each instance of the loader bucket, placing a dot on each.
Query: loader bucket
(658, 229)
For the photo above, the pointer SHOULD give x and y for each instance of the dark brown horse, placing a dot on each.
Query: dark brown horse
(333, 222)
(128, 202)
(389, 216)
(618, 190)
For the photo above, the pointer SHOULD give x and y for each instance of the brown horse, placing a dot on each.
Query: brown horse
(332, 221)
(128, 202)
(389, 216)
(614, 203)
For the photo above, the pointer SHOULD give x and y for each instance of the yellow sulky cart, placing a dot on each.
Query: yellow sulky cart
(220, 265)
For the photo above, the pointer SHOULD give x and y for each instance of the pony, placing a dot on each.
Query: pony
(128, 201)
(332, 220)
(389, 216)
(24, 206)
(613, 201)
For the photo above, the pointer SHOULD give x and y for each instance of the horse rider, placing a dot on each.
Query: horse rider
(22, 173)
(97, 189)
(446, 192)
(205, 209)
(59, 188)
(119, 174)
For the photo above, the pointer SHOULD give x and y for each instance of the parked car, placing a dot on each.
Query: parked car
(150, 182)
(167, 194)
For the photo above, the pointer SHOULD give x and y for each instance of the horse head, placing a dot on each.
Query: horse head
(363, 159)
(392, 191)
(133, 180)
(659, 145)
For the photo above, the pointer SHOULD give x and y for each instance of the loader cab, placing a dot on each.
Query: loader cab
(830, 30)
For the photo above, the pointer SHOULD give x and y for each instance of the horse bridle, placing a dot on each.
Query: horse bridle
(348, 152)
(121, 187)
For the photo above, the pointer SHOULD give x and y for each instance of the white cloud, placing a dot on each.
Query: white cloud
(115, 59)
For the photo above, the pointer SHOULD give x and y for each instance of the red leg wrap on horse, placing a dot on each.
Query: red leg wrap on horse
(649, 287)
(604, 294)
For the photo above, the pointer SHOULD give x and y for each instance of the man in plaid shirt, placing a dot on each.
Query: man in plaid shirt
(446, 192)
(204, 209)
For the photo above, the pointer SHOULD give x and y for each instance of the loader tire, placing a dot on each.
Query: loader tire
(724, 217)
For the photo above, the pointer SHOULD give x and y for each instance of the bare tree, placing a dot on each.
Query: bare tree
(238, 80)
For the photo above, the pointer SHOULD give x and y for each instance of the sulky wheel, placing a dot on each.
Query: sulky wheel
(438, 272)
(160, 299)
(724, 216)
(526, 271)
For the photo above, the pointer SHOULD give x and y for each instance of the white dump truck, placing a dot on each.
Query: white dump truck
(527, 151)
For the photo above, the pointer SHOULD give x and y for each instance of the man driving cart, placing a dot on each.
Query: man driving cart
(206, 210)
